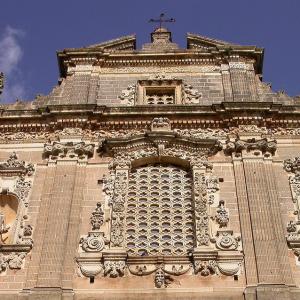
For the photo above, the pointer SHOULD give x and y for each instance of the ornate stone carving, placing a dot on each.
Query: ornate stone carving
(201, 215)
(160, 124)
(263, 145)
(292, 165)
(90, 267)
(293, 227)
(69, 149)
(22, 189)
(3, 227)
(225, 240)
(222, 216)
(141, 270)
(119, 198)
(12, 261)
(114, 268)
(93, 242)
(190, 94)
(14, 166)
(206, 268)
(128, 95)
(97, 217)
(160, 278)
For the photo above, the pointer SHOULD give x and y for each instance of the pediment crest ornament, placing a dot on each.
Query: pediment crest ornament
(15, 167)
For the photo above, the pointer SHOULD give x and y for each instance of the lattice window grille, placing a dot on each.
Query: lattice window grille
(159, 211)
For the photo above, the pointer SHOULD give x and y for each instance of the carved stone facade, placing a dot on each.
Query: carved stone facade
(159, 173)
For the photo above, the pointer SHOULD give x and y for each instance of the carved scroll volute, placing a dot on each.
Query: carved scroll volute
(201, 210)
(118, 206)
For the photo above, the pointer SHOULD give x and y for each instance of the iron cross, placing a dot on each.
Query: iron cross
(161, 20)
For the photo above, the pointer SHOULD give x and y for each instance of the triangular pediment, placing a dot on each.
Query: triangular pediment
(196, 41)
(127, 42)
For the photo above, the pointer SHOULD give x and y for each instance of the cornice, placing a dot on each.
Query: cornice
(90, 115)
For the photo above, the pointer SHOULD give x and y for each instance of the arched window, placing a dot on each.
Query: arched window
(8, 216)
(159, 211)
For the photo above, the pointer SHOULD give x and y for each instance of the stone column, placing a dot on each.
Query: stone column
(245, 221)
(57, 231)
(260, 220)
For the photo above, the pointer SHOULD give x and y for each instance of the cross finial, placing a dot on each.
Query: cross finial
(162, 20)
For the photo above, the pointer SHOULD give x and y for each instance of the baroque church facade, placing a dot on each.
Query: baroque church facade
(152, 173)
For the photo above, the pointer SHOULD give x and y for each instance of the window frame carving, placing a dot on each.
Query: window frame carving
(16, 181)
(165, 147)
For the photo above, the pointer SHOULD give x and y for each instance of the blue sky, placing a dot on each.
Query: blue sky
(32, 31)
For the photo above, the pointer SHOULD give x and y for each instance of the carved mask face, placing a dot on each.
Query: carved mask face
(159, 278)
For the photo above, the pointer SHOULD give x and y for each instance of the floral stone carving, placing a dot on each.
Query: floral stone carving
(206, 268)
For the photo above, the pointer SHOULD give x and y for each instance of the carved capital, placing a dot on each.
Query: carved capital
(71, 150)
(263, 145)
